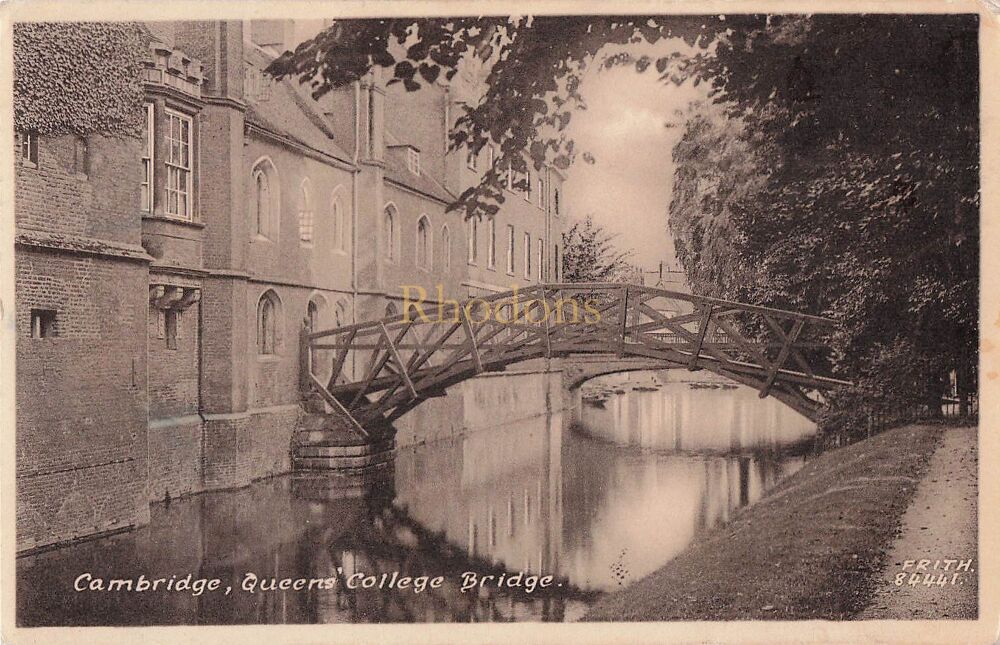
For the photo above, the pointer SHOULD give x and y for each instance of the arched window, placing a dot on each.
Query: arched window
(305, 214)
(473, 239)
(337, 221)
(264, 200)
(541, 193)
(390, 310)
(446, 246)
(340, 314)
(555, 201)
(312, 316)
(268, 314)
(316, 312)
(81, 156)
(423, 243)
(390, 233)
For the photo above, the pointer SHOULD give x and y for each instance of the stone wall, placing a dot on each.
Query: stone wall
(487, 401)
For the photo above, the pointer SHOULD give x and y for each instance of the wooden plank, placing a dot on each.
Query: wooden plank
(341, 357)
(438, 345)
(742, 341)
(399, 361)
(421, 344)
(796, 355)
(471, 334)
(623, 323)
(548, 329)
(729, 304)
(374, 367)
(332, 400)
(684, 333)
(706, 321)
(782, 357)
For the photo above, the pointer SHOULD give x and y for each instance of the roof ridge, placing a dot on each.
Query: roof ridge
(318, 120)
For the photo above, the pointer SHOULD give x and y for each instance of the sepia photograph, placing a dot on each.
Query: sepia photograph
(406, 314)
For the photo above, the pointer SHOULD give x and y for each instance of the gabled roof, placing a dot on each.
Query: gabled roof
(290, 112)
(397, 171)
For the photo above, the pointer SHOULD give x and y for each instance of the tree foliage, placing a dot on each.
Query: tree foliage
(78, 78)
(589, 255)
(842, 178)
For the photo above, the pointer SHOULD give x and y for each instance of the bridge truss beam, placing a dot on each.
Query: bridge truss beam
(381, 369)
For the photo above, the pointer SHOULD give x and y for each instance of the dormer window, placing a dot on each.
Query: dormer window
(256, 86)
(413, 160)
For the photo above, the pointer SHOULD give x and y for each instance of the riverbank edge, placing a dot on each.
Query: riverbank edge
(812, 548)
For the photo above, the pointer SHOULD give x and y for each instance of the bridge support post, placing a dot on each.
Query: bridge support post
(623, 324)
(473, 347)
(706, 320)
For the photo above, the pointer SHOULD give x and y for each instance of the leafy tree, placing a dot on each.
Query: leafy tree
(851, 154)
(589, 255)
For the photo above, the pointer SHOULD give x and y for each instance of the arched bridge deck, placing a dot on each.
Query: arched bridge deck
(376, 371)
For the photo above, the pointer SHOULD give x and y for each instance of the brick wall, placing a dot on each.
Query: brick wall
(242, 447)
(81, 396)
(175, 457)
(173, 372)
(95, 198)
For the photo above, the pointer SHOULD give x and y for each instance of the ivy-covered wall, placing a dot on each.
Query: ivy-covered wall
(82, 78)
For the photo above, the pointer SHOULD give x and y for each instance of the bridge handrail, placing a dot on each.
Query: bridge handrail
(403, 365)
(690, 297)
(592, 286)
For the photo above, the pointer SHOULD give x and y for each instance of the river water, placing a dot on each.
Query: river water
(595, 505)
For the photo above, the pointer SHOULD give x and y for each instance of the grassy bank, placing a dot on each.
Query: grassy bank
(812, 548)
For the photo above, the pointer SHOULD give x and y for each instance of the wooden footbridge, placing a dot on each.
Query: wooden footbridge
(376, 371)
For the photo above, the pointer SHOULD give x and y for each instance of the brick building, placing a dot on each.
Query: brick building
(162, 283)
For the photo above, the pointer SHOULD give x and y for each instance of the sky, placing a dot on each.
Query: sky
(627, 189)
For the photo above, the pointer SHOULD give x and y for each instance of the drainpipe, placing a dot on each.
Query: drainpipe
(355, 182)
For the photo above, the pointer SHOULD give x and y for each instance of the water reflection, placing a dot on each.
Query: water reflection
(595, 509)
(694, 417)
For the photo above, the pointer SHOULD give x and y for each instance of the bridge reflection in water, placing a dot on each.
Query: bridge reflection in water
(595, 511)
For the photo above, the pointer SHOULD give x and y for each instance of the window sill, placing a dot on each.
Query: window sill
(472, 264)
(29, 164)
(154, 217)
(268, 358)
(491, 267)
(257, 237)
